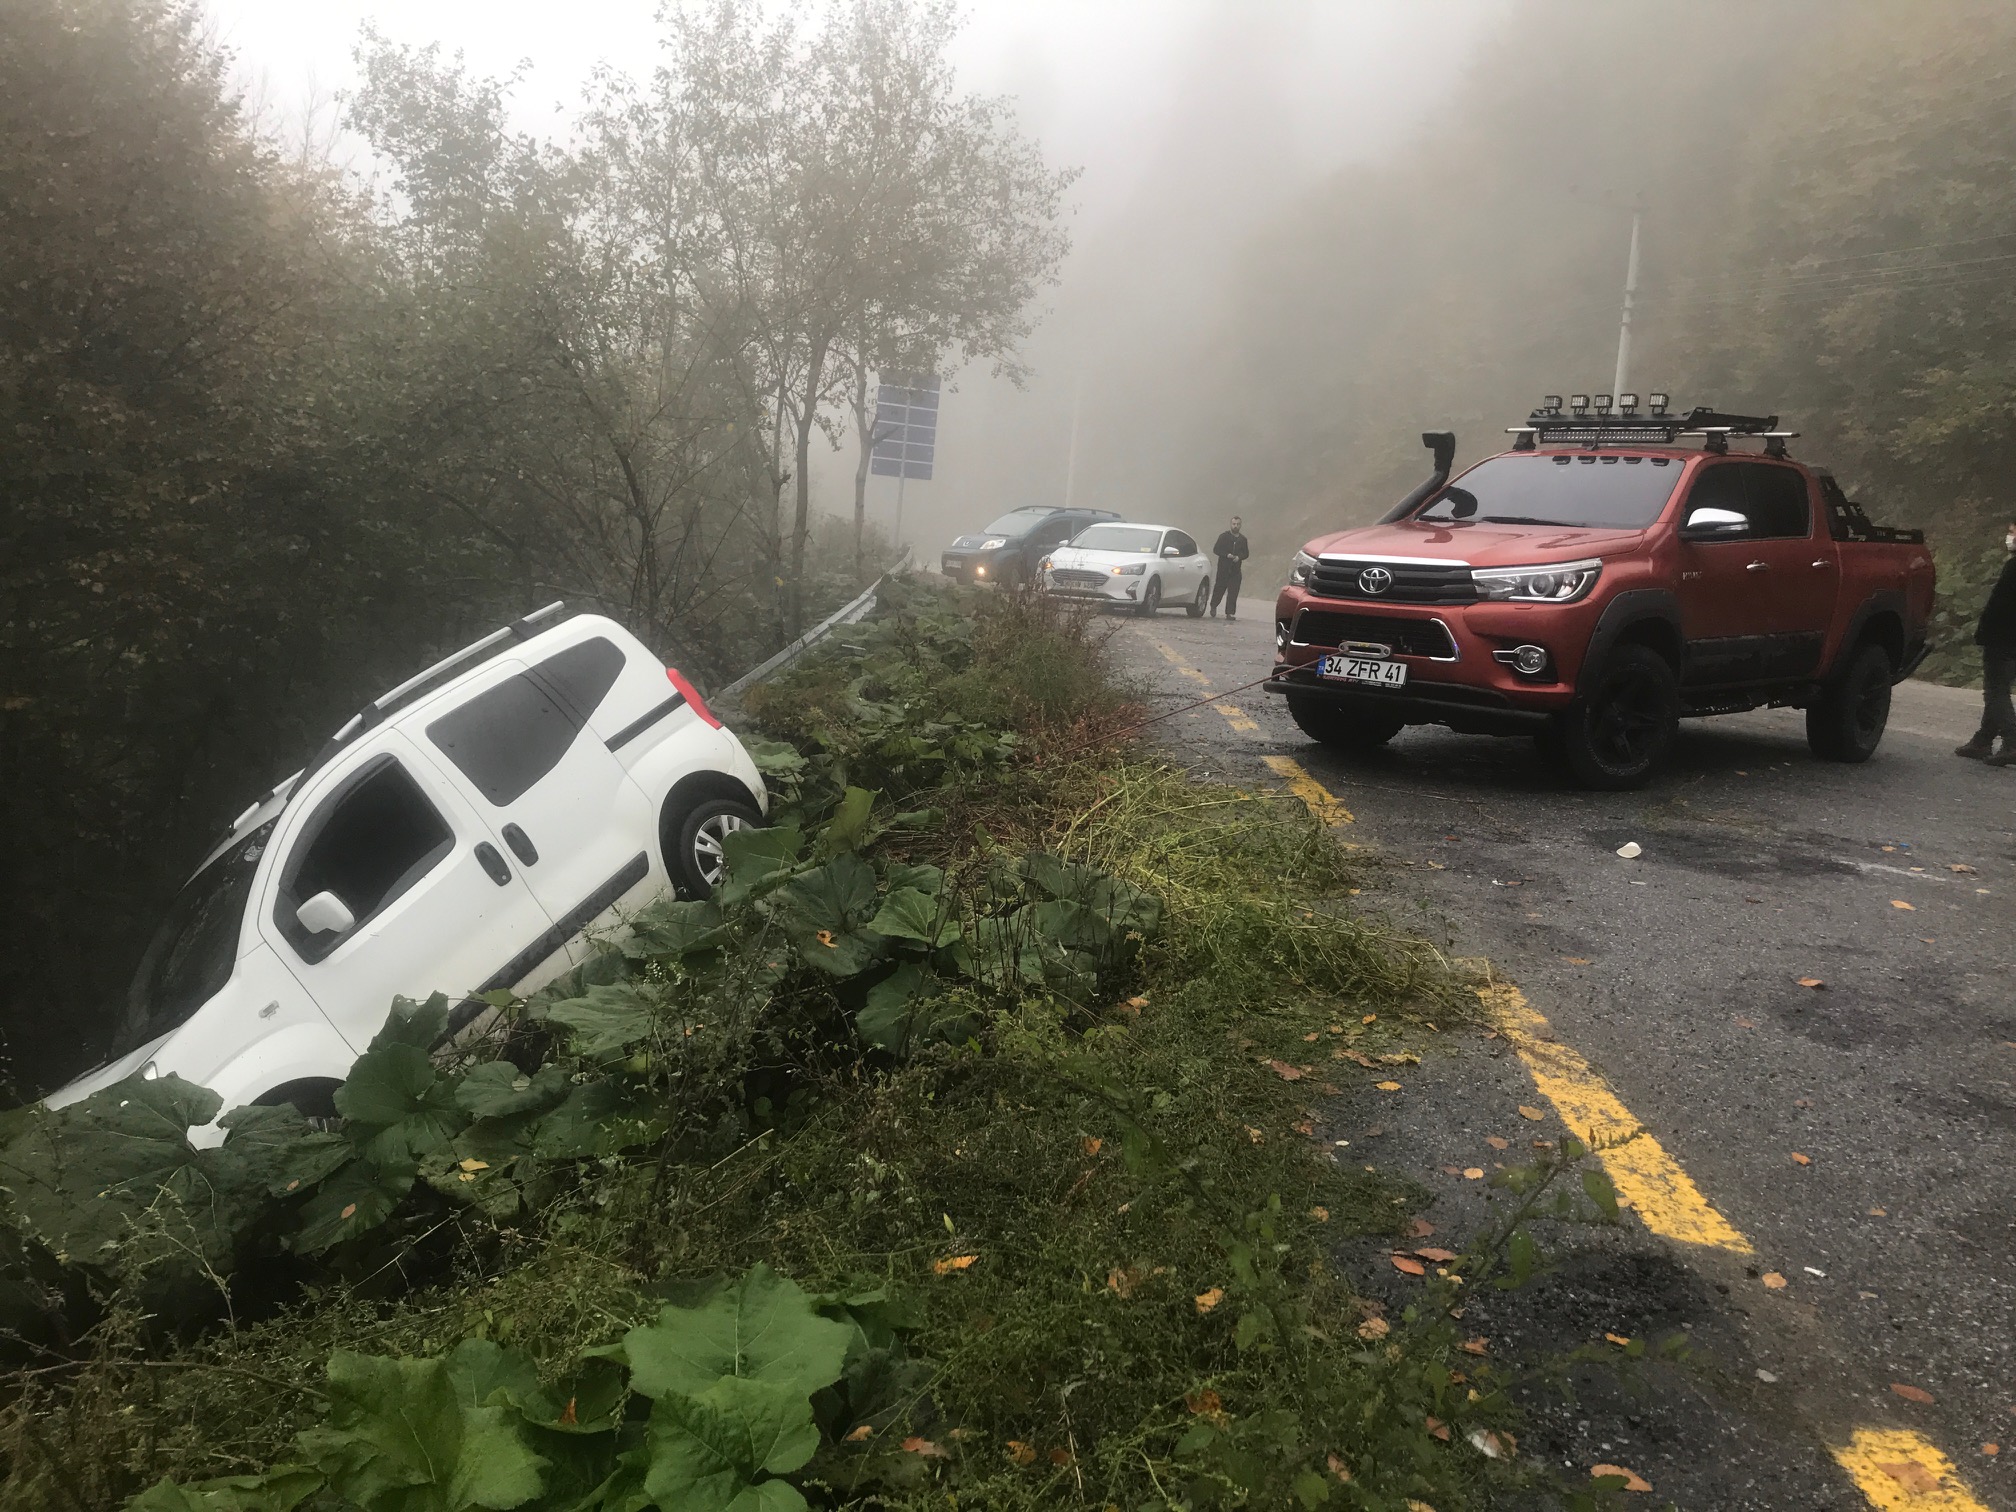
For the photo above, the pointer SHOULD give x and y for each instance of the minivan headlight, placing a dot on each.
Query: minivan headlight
(1554, 583)
(993, 543)
(1305, 564)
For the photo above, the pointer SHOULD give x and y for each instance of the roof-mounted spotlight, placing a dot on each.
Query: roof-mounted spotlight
(1602, 404)
(1579, 403)
(1628, 403)
(1552, 405)
(1659, 402)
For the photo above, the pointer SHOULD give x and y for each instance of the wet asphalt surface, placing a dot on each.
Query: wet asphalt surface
(1897, 1078)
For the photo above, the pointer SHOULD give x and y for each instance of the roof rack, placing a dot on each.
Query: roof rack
(373, 714)
(1594, 421)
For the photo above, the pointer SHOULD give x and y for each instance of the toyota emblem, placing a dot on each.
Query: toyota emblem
(1374, 580)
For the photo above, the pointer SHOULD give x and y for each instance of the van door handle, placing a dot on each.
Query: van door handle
(1823, 562)
(492, 863)
(1757, 567)
(521, 845)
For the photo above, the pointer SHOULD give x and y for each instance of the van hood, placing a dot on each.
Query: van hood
(1478, 545)
(107, 1075)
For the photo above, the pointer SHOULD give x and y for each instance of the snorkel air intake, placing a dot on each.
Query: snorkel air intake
(1443, 445)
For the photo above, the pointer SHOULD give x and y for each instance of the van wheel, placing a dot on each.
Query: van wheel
(1846, 722)
(1151, 599)
(1342, 728)
(694, 853)
(314, 1098)
(1616, 736)
(1196, 607)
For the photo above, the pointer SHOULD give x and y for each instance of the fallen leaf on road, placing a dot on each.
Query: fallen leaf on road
(1370, 1018)
(1439, 1256)
(1254, 1134)
(1802, 1102)
(1811, 982)
(1387, 1086)
(1122, 1280)
(1304, 1126)
(1488, 1444)
(1138, 1002)
(1338, 1468)
(1204, 1403)
(1354, 1055)
(1496, 1143)
(1410, 1265)
(1092, 1142)
(1438, 1429)
(924, 1447)
(1743, 1023)
(1210, 1299)
(953, 1263)
(1374, 1328)
(1474, 1346)
(1900, 903)
(1060, 1456)
(1912, 1476)
(1798, 1159)
(1320, 1214)
(1283, 1070)
(1473, 1173)
(1532, 1113)
(1577, 960)
(1452, 1170)
(866, 1430)
(1021, 1453)
(1773, 1281)
(1312, 1036)
(1879, 1212)
(1916, 1394)
(1421, 1228)
(1620, 1340)
(1961, 867)
(1633, 1481)
(1991, 1448)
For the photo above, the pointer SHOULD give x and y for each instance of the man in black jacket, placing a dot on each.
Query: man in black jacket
(1996, 636)
(1231, 550)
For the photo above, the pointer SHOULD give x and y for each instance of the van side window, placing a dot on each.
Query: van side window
(581, 676)
(507, 737)
(1778, 505)
(368, 844)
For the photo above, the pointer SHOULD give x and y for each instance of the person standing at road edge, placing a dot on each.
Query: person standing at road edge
(1231, 550)
(1995, 634)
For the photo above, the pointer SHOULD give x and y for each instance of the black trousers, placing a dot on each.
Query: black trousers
(1998, 714)
(1227, 588)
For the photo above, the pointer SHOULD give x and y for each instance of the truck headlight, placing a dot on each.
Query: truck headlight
(1134, 570)
(1305, 564)
(1555, 583)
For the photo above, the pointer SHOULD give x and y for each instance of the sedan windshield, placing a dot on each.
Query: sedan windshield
(1134, 538)
(1589, 488)
(1018, 522)
(196, 947)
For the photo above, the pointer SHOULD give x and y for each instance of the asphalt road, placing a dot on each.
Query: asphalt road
(1677, 977)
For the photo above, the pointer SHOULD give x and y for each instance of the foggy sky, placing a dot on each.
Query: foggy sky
(1193, 120)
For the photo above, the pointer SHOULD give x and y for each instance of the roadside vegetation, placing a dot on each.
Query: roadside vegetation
(960, 1149)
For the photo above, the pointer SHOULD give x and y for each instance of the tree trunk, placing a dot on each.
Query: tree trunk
(864, 427)
(801, 520)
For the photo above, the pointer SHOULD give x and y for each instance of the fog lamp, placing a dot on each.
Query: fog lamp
(979, 572)
(1527, 661)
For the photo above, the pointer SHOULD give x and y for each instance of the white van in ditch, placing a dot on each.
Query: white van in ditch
(458, 836)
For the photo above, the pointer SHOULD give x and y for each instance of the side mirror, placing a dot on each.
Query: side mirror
(325, 913)
(1711, 524)
(1169, 551)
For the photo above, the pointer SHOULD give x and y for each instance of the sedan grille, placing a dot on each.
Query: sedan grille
(1408, 637)
(1392, 582)
(1064, 577)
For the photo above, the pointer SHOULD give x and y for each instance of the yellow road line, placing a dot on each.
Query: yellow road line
(1236, 717)
(1890, 1465)
(1663, 1196)
(1176, 661)
(1318, 798)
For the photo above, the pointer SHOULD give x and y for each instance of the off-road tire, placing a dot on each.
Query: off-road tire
(693, 842)
(1342, 728)
(1615, 736)
(1151, 599)
(1846, 722)
(1196, 607)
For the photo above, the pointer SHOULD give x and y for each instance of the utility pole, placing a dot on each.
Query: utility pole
(1630, 297)
(1071, 460)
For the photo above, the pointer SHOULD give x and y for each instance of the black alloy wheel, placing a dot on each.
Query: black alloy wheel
(1151, 598)
(1343, 727)
(1847, 721)
(1616, 736)
(696, 854)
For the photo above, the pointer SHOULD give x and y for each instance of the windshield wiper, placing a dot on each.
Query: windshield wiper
(1517, 520)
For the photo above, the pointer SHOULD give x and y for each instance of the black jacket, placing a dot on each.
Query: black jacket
(1997, 629)
(1231, 549)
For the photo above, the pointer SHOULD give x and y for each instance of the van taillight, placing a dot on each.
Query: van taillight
(692, 696)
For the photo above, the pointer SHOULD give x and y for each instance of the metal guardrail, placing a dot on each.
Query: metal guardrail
(846, 614)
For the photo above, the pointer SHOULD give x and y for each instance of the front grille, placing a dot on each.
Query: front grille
(1410, 583)
(1064, 577)
(1408, 637)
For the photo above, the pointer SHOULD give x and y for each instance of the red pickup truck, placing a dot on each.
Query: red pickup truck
(1599, 581)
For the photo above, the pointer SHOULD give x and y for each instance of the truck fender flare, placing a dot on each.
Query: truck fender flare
(1907, 652)
(1629, 609)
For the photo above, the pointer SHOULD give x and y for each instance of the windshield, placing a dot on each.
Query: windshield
(195, 948)
(1018, 521)
(1590, 488)
(1118, 538)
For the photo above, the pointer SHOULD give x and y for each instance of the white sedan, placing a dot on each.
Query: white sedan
(1138, 567)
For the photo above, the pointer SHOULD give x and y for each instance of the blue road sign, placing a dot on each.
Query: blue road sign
(906, 426)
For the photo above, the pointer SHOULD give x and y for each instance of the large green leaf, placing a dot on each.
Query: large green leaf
(85, 1178)
(362, 1195)
(486, 1374)
(848, 827)
(587, 1123)
(498, 1089)
(418, 1024)
(761, 1327)
(278, 1490)
(757, 859)
(908, 914)
(709, 1453)
(825, 913)
(397, 1102)
(675, 927)
(607, 1019)
(929, 880)
(1121, 906)
(279, 1149)
(398, 1439)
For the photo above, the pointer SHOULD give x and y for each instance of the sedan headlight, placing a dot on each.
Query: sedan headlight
(1299, 574)
(993, 543)
(1555, 583)
(1135, 570)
